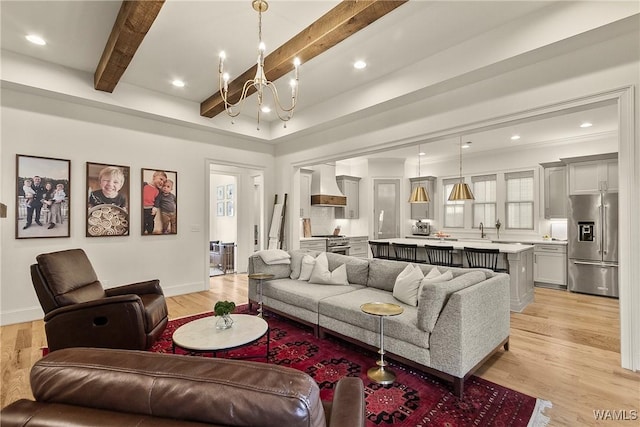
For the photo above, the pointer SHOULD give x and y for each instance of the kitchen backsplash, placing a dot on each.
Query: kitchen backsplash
(323, 221)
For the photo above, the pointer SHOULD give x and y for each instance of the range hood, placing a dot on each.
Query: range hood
(324, 189)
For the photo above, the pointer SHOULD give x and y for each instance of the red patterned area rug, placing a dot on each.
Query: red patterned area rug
(415, 399)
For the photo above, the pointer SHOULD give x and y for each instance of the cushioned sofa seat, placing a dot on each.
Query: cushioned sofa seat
(299, 298)
(347, 310)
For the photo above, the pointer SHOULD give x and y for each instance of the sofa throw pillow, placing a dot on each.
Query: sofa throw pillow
(296, 262)
(434, 296)
(434, 272)
(407, 285)
(322, 276)
(437, 278)
(274, 256)
(306, 267)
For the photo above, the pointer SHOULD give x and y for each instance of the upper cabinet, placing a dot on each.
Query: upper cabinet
(305, 193)
(350, 187)
(424, 210)
(599, 173)
(555, 190)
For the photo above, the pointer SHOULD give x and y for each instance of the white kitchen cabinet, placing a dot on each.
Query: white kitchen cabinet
(550, 265)
(424, 210)
(319, 245)
(359, 246)
(593, 176)
(555, 190)
(350, 187)
(305, 193)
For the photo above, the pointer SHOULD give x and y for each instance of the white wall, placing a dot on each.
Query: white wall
(37, 125)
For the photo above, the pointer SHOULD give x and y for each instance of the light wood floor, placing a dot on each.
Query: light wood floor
(564, 348)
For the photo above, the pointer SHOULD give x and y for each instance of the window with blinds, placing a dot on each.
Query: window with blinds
(484, 205)
(519, 201)
(453, 210)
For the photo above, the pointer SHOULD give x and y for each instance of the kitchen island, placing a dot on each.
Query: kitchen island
(517, 259)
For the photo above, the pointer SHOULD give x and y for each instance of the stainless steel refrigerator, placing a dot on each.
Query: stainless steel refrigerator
(593, 244)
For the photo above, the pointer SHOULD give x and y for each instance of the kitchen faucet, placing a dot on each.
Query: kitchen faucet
(482, 235)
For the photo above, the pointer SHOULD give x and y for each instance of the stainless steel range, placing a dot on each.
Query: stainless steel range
(336, 244)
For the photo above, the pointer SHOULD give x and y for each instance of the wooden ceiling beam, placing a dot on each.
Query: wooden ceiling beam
(339, 23)
(132, 24)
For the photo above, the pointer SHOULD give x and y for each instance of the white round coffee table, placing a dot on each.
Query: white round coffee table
(201, 335)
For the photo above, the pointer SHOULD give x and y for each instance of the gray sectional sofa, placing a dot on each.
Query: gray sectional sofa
(456, 326)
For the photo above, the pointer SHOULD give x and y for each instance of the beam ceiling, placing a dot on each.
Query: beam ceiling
(132, 24)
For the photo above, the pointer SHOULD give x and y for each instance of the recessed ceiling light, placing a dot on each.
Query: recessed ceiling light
(422, 153)
(586, 125)
(359, 65)
(466, 144)
(36, 39)
(515, 137)
(265, 109)
(178, 83)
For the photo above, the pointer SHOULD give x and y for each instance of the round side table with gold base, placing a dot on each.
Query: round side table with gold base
(380, 374)
(260, 277)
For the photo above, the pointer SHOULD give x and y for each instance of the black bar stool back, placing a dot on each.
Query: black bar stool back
(483, 258)
(405, 252)
(380, 249)
(440, 255)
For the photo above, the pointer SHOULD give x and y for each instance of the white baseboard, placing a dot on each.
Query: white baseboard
(30, 314)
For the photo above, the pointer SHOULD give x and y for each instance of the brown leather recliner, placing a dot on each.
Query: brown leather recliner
(79, 312)
(104, 387)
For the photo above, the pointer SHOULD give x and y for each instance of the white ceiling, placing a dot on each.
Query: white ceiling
(187, 36)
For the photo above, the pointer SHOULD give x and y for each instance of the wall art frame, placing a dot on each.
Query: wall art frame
(108, 200)
(159, 202)
(220, 192)
(42, 209)
(220, 209)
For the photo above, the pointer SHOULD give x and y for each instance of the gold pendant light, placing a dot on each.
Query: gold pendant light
(461, 190)
(419, 194)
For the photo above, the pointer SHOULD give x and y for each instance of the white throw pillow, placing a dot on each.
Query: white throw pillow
(407, 285)
(447, 275)
(322, 276)
(306, 267)
(274, 256)
(433, 273)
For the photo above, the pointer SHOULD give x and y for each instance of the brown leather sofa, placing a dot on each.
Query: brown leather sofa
(80, 313)
(105, 387)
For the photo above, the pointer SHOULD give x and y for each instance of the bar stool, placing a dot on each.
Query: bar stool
(380, 249)
(405, 252)
(483, 258)
(440, 255)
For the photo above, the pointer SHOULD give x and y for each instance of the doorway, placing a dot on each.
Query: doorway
(235, 217)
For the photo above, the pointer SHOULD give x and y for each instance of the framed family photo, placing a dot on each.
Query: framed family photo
(159, 202)
(43, 197)
(107, 200)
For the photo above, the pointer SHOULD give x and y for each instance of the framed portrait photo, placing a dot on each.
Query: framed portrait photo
(159, 202)
(43, 197)
(229, 208)
(220, 209)
(107, 200)
(220, 192)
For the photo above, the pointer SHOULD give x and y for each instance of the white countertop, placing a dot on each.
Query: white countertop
(530, 241)
(506, 248)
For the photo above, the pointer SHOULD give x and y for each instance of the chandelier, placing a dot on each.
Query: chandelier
(259, 82)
